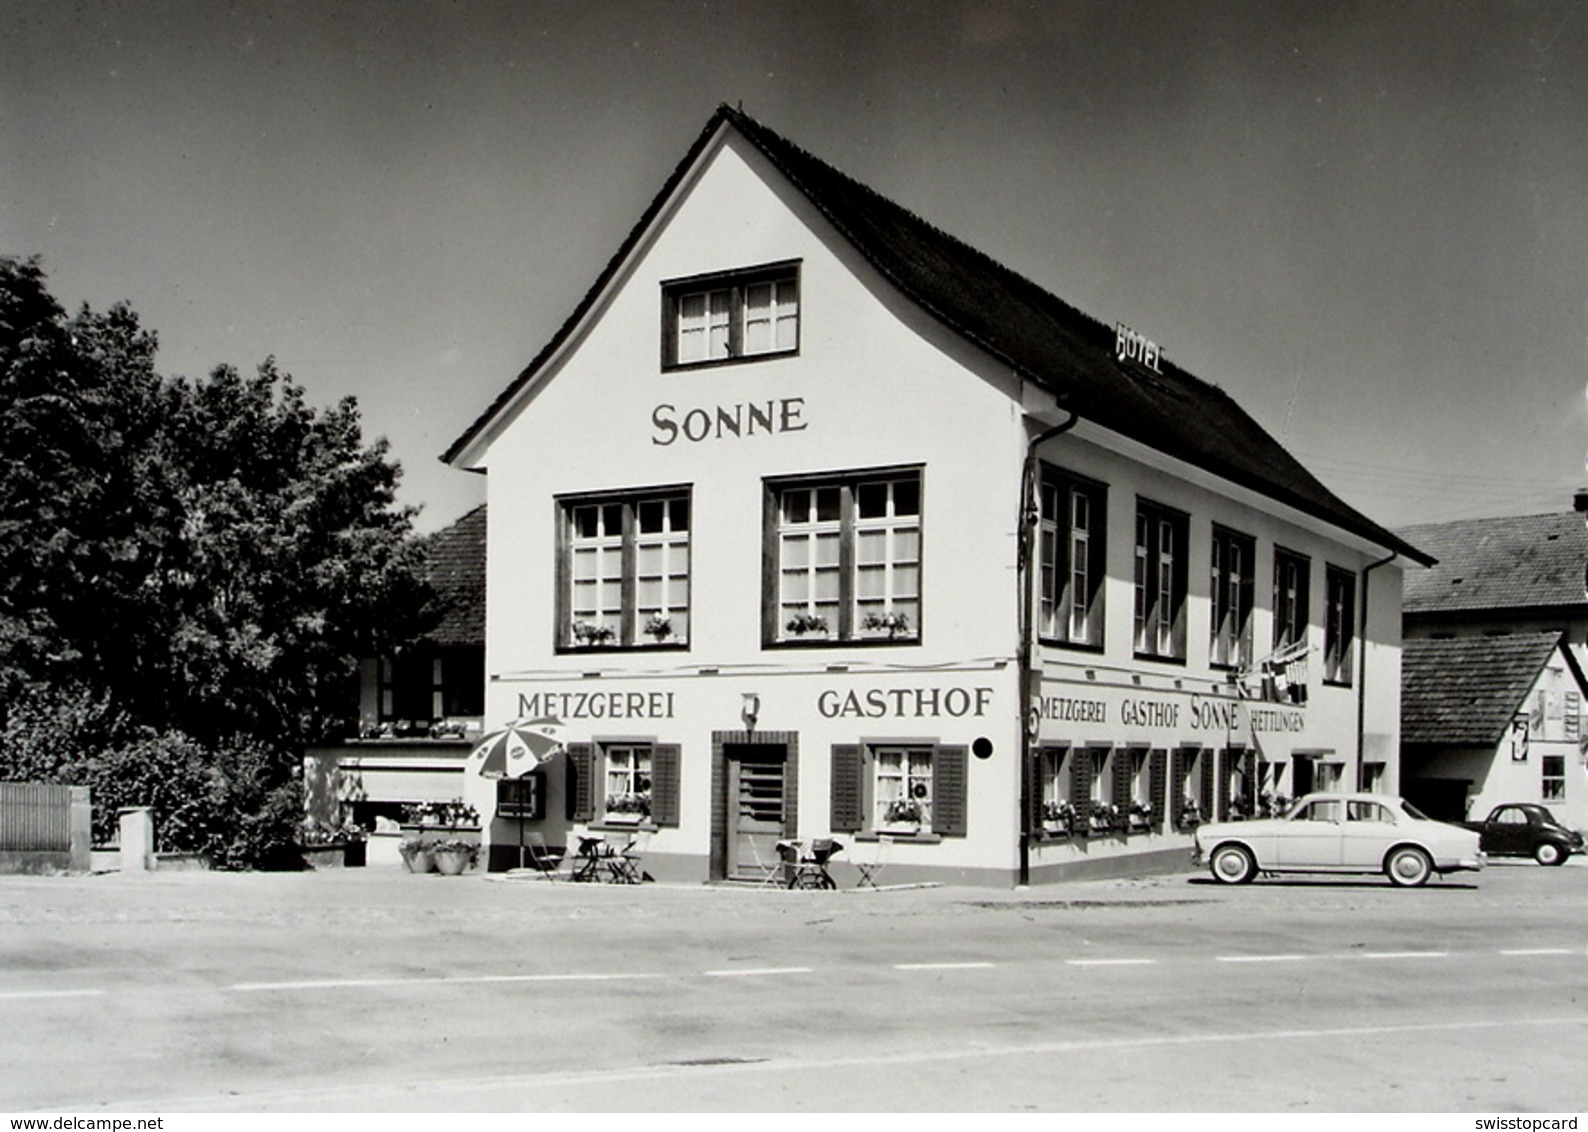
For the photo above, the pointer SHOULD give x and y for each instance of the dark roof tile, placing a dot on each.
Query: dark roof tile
(1465, 691)
(1525, 561)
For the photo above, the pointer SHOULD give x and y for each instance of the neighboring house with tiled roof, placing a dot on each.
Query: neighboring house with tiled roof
(419, 711)
(1496, 718)
(1510, 574)
(813, 519)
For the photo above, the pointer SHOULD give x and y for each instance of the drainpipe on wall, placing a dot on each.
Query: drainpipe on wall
(1361, 667)
(1030, 515)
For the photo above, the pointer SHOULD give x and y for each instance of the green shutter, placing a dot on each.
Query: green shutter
(848, 789)
(581, 791)
(665, 769)
(950, 767)
(1157, 785)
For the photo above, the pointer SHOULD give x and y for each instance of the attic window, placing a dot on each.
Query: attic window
(730, 317)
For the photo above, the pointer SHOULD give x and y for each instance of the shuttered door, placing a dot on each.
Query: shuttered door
(1157, 786)
(950, 770)
(848, 790)
(665, 771)
(581, 795)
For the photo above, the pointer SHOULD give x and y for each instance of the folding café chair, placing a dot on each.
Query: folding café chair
(770, 872)
(871, 871)
(539, 858)
(624, 866)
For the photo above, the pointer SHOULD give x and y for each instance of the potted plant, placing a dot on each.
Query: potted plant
(659, 627)
(903, 815)
(454, 856)
(326, 846)
(1190, 813)
(1141, 816)
(590, 634)
(1058, 817)
(629, 807)
(415, 852)
(893, 624)
(1103, 818)
(803, 623)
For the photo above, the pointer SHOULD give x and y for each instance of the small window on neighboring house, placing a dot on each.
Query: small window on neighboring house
(1339, 626)
(1073, 559)
(845, 558)
(903, 787)
(1160, 582)
(1553, 778)
(1231, 639)
(625, 564)
(734, 316)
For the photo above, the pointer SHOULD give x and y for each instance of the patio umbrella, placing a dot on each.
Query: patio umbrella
(517, 747)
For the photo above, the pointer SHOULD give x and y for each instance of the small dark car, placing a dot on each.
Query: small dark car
(1526, 829)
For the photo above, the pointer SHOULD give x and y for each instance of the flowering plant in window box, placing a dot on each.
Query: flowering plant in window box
(589, 633)
(802, 623)
(1240, 809)
(1104, 816)
(1140, 815)
(1190, 812)
(893, 624)
(629, 807)
(1058, 817)
(1272, 805)
(659, 627)
(903, 811)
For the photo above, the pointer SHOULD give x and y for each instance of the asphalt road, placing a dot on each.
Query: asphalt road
(373, 990)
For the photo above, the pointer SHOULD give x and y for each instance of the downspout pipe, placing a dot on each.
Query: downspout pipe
(1030, 515)
(1361, 667)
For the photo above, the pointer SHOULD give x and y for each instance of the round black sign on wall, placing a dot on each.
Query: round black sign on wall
(982, 748)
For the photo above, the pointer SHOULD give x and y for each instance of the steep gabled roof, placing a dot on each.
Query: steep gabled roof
(1465, 691)
(1013, 320)
(455, 569)
(1517, 562)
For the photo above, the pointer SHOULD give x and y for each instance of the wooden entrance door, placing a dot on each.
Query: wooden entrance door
(757, 821)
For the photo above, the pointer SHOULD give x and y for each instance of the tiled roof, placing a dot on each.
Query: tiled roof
(1465, 691)
(1025, 327)
(1526, 561)
(455, 569)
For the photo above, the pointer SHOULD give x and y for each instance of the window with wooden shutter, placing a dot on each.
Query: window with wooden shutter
(581, 797)
(1081, 785)
(1208, 784)
(848, 789)
(666, 768)
(1157, 785)
(950, 771)
(1124, 779)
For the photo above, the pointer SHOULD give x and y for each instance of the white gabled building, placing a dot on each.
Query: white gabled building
(813, 520)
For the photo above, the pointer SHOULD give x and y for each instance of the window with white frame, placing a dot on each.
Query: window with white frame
(1339, 624)
(626, 565)
(1057, 809)
(1072, 559)
(736, 315)
(1231, 637)
(1160, 582)
(1552, 780)
(847, 558)
(628, 781)
(902, 793)
(1291, 584)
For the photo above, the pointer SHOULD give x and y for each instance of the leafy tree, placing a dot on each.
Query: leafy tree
(189, 569)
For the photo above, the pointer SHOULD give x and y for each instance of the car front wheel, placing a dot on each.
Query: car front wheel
(1548, 853)
(1232, 864)
(1408, 867)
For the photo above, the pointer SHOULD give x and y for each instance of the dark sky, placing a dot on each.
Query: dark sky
(1367, 221)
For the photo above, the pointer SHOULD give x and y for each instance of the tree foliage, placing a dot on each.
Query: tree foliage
(200, 562)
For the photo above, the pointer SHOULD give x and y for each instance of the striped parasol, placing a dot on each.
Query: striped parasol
(516, 748)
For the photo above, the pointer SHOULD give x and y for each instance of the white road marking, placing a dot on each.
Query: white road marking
(1539, 951)
(1403, 955)
(734, 972)
(1259, 958)
(1111, 962)
(941, 966)
(50, 994)
(433, 980)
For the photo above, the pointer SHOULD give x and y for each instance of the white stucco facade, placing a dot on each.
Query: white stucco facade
(756, 734)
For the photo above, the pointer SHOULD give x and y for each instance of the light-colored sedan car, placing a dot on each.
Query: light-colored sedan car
(1338, 833)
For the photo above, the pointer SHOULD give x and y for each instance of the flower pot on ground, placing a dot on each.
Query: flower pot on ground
(453, 858)
(416, 856)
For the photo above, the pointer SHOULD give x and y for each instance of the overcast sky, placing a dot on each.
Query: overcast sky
(1367, 221)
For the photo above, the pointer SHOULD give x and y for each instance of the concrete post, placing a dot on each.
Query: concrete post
(82, 856)
(137, 839)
